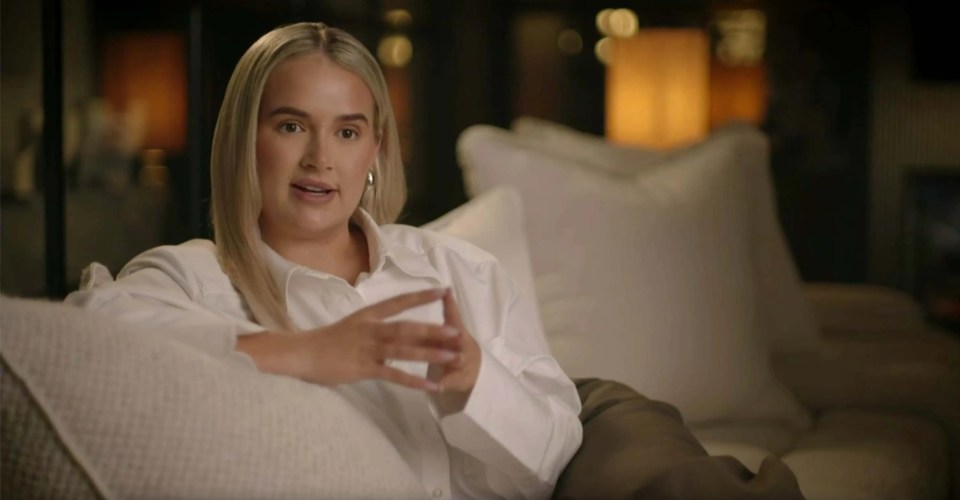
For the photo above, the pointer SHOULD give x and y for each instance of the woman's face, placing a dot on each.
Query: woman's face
(316, 141)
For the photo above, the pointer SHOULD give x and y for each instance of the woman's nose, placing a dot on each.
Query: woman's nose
(316, 155)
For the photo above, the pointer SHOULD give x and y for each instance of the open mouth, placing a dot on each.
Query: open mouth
(312, 189)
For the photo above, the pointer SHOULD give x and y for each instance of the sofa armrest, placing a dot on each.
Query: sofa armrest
(634, 447)
(917, 373)
(857, 309)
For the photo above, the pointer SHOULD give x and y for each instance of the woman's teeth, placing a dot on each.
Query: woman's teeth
(313, 189)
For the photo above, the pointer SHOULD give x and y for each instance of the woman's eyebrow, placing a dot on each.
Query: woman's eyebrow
(287, 110)
(353, 118)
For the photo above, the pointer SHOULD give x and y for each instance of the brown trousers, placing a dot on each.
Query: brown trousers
(634, 447)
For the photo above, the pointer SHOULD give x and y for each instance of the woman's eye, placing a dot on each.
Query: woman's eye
(348, 133)
(289, 127)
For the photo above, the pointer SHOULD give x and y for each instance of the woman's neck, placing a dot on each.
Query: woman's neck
(344, 254)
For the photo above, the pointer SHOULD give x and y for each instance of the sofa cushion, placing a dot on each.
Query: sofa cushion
(860, 455)
(917, 373)
(785, 316)
(142, 415)
(772, 437)
(584, 148)
(647, 281)
(861, 309)
(494, 221)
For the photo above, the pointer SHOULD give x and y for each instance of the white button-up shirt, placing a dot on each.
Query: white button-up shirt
(517, 430)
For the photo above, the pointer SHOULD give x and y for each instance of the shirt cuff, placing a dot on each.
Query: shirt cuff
(501, 422)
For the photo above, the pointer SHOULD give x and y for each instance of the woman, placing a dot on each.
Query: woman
(309, 280)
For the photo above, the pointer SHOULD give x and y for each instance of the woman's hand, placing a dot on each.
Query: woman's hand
(460, 375)
(358, 346)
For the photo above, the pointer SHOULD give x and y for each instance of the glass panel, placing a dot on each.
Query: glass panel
(21, 119)
(125, 114)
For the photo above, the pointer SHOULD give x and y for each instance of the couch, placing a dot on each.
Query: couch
(664, 287)
(669, 272)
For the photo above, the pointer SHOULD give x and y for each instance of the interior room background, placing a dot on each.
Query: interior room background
(861, 105)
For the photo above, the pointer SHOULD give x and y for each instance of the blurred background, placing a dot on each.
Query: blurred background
(861, 105)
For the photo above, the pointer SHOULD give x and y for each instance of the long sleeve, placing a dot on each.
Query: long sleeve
(174, 289)
(521, 421)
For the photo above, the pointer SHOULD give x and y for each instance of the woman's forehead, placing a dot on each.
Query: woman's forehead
(315, 83)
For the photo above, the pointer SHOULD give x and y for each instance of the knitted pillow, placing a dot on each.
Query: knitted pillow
(132, 413)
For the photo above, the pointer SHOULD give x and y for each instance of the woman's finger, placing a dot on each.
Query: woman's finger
(451, 313)
(414, 332)
(396, 305)
(405, 379)
(414, 353)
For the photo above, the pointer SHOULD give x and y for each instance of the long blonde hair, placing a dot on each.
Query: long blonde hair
(235, 200)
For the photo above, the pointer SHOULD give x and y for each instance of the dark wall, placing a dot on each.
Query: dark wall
(818, 123)
(466, 71)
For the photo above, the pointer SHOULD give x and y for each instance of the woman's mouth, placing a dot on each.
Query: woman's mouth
(313, 190)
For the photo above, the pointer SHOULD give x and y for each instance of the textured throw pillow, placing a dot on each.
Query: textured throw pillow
(648, 280)
(493, 221)
(786, 317)
(587, 149)
(129, 413)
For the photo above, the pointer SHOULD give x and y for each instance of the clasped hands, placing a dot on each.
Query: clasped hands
(358, 346)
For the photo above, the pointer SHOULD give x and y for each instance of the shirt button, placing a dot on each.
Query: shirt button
(437, 493)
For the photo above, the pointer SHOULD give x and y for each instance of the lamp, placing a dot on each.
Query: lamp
(658, 88)
(664, 88)
(144, 80)
(738, 86)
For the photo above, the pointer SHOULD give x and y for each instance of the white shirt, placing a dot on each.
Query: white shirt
(520, 425)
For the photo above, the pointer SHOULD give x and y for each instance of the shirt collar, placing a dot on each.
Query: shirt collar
(381, 248)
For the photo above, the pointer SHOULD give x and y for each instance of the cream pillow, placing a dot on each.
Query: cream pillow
(493, 221)
(587, 149)
(144, 416)
(647, 281)
(786, 317)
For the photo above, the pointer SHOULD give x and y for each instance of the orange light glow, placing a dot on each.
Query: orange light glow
(737, 93)
(658, 88)
(400, 87)
(148, 70)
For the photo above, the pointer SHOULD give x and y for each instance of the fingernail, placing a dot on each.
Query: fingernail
(433, 386)
(450, 331)
(448, 355)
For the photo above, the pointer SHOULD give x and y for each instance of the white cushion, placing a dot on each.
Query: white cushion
(147, 416)
(493, 221)
(785, 316)
(854, 455)
(645, 281)
(584, 148)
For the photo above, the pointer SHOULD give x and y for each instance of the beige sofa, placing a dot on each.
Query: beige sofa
(668, 271)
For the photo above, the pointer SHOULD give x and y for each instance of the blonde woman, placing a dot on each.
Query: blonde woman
(310, 279)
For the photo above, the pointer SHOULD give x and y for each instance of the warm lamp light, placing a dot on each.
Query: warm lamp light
(146, 72)
(738, 86)
(658, 88)
(737, 93)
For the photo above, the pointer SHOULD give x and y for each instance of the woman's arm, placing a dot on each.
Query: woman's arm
(520, 417)
(181, 291)
(165, 288)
